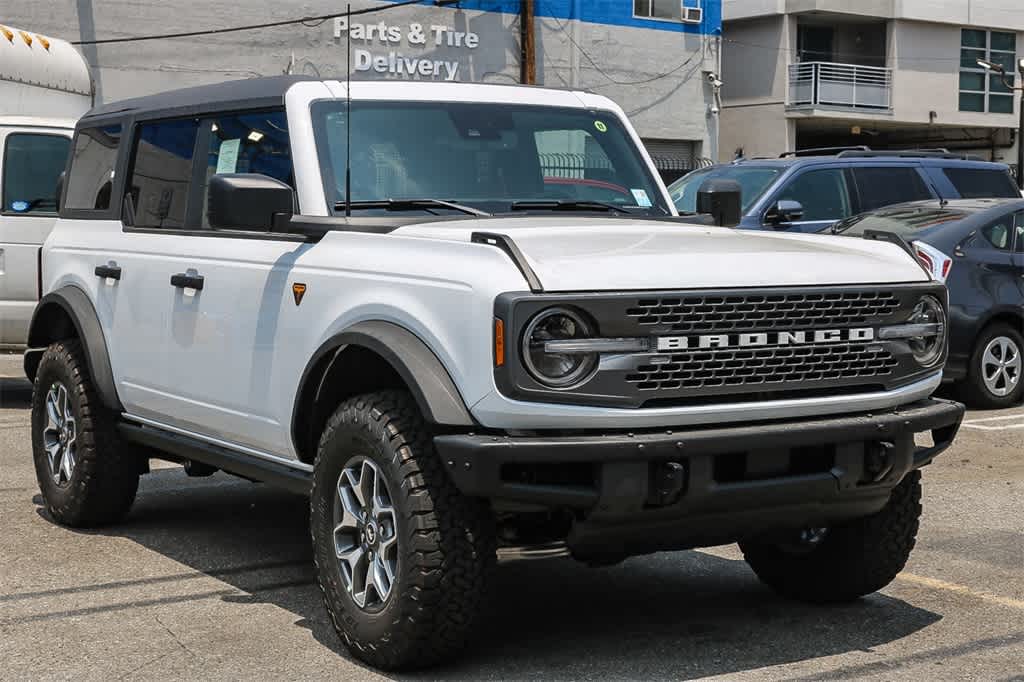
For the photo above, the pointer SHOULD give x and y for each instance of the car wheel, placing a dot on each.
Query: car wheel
(402, 558)
(996, 375)
(85, 474)
(846, 561)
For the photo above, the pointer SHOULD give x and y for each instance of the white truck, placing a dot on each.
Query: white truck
(45, 86)
(391, 304)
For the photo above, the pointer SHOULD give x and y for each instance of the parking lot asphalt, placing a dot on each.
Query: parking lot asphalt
(213, 578)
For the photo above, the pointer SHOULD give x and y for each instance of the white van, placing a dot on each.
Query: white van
(45, 87)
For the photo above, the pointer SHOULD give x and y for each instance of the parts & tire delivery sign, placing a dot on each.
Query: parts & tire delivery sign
(404, 50)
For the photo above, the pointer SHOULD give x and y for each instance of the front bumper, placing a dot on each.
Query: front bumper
(668, 489)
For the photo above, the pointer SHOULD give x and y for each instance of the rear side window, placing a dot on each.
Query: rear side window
(1000, 233)
(880, 187)
(822, 193)
(92, 168)
(1020, 232)
(32, 166)
(980, 183)
(247, 143)
(162, 172)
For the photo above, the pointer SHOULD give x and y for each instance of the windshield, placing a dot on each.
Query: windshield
(901, 221)
(491, 157)
(753, 181)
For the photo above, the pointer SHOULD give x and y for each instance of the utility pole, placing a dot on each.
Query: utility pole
(528, 57)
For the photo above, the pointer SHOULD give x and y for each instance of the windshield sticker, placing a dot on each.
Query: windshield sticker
(19, 206)
(601, 126)
(227, 158)
(642, 200)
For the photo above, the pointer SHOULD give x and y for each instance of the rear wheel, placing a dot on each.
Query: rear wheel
(402, 557)
(995, 378)
(86, 475)
(843, 562)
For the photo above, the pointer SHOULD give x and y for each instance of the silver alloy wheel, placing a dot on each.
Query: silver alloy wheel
(60, 434)
(365, 534)
(1001, 365)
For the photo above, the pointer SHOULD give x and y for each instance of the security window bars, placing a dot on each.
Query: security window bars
(979, 89)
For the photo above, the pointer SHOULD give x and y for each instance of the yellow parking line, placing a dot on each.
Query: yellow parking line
(936, 584)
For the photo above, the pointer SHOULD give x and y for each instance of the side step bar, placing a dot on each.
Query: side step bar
(239, 464)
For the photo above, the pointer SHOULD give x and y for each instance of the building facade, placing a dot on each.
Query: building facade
(658, 59)
(882, 73)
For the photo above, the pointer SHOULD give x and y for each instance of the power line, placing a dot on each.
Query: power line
(311, 21)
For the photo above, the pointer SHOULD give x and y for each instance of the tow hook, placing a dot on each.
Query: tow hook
(878, 461)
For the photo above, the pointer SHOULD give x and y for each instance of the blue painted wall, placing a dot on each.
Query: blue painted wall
(613, 12)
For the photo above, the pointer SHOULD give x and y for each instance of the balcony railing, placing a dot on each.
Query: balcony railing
(848, 86)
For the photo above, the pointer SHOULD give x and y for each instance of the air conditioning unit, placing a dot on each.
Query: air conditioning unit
(692, 15)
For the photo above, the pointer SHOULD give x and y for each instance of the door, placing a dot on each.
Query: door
(823, 193)
(222, 291)
(31, 166)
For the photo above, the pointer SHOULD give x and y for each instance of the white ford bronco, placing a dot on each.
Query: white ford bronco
(466, 321)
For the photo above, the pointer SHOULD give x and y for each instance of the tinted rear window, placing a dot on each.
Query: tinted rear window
(887, 186)
(979, 183)
(901, 221)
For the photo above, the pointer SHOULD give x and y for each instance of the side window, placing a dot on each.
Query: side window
(880, 187)
(247, 143)
(32, 166)
(92, 168)
(1019, 248)
(162, 172)
(822, 193)
(1000, 233)
(979, 183)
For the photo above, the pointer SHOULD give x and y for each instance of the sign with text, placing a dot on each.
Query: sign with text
(414, 36)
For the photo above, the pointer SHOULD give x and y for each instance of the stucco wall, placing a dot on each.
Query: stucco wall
(626, 63)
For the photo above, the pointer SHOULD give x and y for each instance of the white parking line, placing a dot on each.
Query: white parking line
(1016, 420)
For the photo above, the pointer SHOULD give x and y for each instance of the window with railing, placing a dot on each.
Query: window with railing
(981, 90)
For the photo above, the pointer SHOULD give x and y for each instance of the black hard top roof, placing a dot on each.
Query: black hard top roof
(242, 94)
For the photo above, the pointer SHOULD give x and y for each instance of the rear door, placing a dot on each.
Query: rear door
(32, 162)
(881, 186)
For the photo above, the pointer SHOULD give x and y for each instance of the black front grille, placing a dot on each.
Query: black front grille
(754, 367)
(725, 313)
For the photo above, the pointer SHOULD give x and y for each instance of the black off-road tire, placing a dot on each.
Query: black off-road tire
(105, 478)
(973, 389)
(446, 541)
(852, 560)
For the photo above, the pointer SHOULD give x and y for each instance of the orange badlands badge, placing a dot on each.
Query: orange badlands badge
(298, 290)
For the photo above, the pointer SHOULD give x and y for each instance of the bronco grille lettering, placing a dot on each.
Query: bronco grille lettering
(750, 340)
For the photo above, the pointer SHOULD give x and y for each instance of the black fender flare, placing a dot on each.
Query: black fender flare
(432, 387)
(47, 326)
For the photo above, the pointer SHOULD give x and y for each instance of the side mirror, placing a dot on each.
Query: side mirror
(784, 211)
(722, 199)
(248, 201)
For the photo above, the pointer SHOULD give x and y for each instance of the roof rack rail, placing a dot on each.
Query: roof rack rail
(939, 153)
(825, 150)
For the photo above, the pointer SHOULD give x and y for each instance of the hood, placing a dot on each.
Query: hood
(588, 254)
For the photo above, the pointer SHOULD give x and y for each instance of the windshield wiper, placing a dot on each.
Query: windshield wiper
(410, 205)
(558, 205)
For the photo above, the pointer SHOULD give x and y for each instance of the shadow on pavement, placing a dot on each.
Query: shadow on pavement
(678, 615)
(15, 393)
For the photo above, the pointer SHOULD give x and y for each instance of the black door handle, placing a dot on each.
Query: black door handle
(108, 272)
(186, 281)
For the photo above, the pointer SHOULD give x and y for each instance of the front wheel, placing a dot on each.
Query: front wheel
(401, 556)
(847, 561)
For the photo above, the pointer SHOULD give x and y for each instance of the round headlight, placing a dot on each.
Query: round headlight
(553, 368)
(928, 347)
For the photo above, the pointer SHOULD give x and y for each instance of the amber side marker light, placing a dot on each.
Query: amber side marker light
(499, 342)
